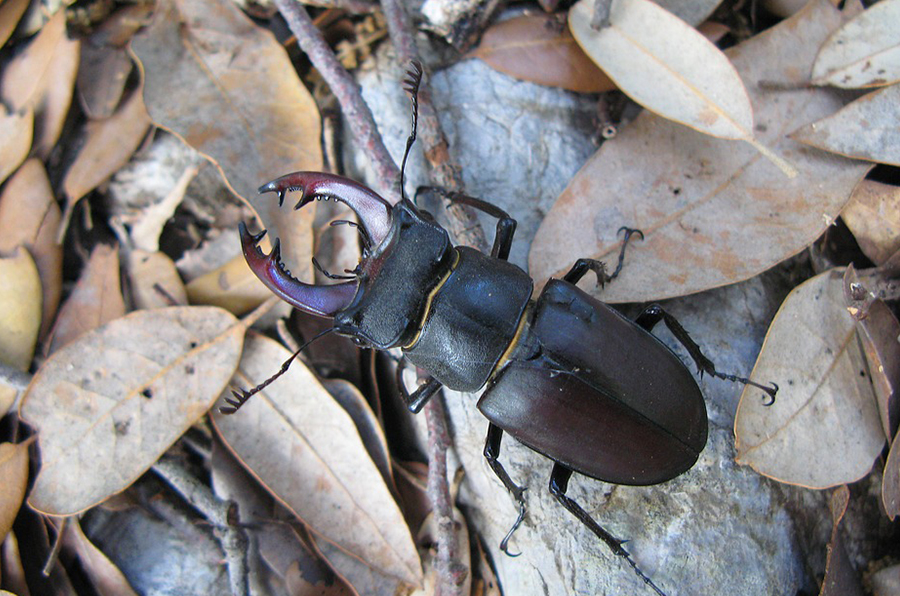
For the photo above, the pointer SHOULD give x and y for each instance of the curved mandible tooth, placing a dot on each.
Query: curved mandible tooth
(373, 211)
(324, 301)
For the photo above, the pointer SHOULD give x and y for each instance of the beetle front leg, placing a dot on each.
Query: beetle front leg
(654, 313)
(491, 454)
(506, 225)
(416, 400)
(559, 484)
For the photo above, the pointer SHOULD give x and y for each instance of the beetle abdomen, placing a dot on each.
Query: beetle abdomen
(472, 320)
(596, 392)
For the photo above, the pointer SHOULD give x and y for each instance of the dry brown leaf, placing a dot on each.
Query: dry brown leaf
(42, 77)
(539, 48)
(232, 286)
(102, 74)
(712, 212)
(873, 215)
(29, 216)
(155, 282)
(823, 429)
(864, 129)
(865, 52)
(108, 146)
(105, 577)
(20, 308)
(14, 471)
(12, 566)
(840, 577)
(10, 13)
(15, 139)
(668, 67)
(105, 63)
(227, 87)
(96, 299)
(333, 486)
(7, 397)
(109, 404)
(363, 577)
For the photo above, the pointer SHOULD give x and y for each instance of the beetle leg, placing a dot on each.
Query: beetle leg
(582, 266)
(559, 483)
(506, 226)
(491, 454)
(654, 313)
(418, 398)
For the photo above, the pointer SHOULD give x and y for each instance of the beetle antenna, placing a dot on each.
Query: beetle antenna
(411, 85)
(242, 395)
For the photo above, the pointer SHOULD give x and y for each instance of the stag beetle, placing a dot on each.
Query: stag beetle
(562, 372)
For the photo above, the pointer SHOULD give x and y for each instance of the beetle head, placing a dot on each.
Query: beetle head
(375, 218)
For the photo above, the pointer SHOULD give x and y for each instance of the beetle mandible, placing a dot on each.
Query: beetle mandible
(562, 372)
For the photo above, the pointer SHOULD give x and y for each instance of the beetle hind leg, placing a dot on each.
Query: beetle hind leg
(654, 313)
(491, 454)
(559, 483)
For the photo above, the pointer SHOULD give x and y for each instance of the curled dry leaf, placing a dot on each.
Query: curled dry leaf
(890, 482)
(668, 67)
(712, 212)
(15, 138)
(29, 216)
(155, 282)
(294, 425)
(14, 471)
(20, 308)
(823, 429)
(148, 225)
(106, 578)
(108, 146)
(864, 129)
(228, 88)
(109, 404)
(873, 215)
(539, 48)
(96, 299)
(233, 286)
(865, 52)
(354, 403)
(42, 77)
(879, 334)
(840, 577)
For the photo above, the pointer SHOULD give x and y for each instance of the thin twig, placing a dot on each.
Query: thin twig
(451, 571)
(345, 89)
(221, 514)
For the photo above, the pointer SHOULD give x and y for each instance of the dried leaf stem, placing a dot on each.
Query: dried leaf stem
(222, 515)
(347, 92)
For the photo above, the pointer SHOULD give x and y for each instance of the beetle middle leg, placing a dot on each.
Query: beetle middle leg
(491, 454)
(506, 225)
(416, 400)
(582, 266)
(559, 483)
(654, 313)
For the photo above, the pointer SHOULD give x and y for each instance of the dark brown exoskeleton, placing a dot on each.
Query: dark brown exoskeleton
(562, 372)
